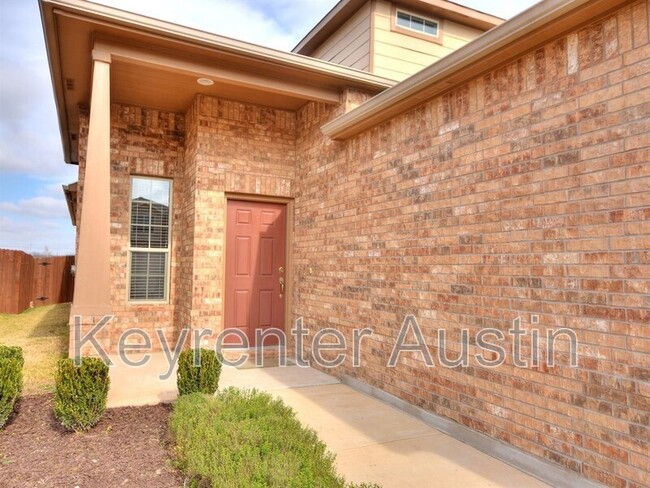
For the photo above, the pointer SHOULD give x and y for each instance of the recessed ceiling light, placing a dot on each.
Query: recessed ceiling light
(205, 81)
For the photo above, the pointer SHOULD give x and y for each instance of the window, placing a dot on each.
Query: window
(149, 239)
(417, 24)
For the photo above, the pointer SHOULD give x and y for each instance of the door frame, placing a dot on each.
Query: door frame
(288, 296)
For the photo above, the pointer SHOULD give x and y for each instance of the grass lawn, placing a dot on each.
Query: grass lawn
(43, 334)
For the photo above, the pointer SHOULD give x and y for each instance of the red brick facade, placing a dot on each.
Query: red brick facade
(525, 192)
(218, 146)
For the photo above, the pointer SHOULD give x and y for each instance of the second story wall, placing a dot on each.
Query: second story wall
(367, 36)
(350, 44)
(397, 53)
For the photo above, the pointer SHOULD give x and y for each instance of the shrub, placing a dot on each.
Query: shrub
(200, 378)
(81, 391)
(11, 380)
(11, 352)
(247, 438)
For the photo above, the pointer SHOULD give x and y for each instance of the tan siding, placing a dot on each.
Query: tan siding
(457, 35)
(350, 45)
(399, 55)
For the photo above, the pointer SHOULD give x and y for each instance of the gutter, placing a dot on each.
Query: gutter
(549, 18)
(70, 193)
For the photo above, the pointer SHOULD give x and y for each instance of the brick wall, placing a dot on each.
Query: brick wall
(523, 193)
(232, 148)
(217, 147)
(144, 142)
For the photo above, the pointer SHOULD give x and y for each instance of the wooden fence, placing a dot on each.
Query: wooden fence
(34, 281)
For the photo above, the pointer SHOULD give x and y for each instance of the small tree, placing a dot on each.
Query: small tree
(81, 393)
(198, 371)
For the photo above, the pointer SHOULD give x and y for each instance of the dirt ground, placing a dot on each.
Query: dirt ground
(126, 448)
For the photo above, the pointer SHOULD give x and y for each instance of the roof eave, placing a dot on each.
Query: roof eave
(218, 43)
(52, 51)
(344, 9)
(70, 193)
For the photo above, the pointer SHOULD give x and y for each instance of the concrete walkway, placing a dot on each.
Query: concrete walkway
(373, 442)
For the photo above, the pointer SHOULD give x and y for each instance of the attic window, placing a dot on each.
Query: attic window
(417, 24)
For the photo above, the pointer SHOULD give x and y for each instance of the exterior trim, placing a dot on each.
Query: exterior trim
(70, 193)
(408, 32)
(545, 21)
(168, 262)
(373, 24)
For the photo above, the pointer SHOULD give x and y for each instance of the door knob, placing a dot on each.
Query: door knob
(282, 284)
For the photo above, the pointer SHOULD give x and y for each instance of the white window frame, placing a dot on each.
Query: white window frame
(438, 24)
(167, 250)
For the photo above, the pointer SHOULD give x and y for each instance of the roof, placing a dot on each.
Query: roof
(345, 9)
(156, 64)
(532, 28)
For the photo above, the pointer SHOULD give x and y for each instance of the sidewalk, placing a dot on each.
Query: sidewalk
(373, 442)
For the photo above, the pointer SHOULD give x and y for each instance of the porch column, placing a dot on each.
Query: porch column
(92, 289)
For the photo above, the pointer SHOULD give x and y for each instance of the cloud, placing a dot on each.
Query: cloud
(34, 235)
(41, 206)
(278, 24)
(29, 136)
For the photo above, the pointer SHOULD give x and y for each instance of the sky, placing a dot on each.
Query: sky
(33, 213)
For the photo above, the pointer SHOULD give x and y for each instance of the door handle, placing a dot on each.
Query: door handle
(282, 284)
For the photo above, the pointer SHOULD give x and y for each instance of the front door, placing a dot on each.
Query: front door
(255, 268)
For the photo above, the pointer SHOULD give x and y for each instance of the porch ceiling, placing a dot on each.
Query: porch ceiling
(155, 87)
(156, 64)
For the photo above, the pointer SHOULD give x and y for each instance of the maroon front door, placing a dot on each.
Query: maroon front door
(255, 268)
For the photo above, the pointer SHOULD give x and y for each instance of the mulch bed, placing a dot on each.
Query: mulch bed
(126, 448)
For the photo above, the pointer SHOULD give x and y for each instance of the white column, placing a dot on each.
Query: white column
(92, 290)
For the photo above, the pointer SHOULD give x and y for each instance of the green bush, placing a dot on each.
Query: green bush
(12, 352)
(200, 375)
(244, 438)
(81, 391)
(11, 380)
